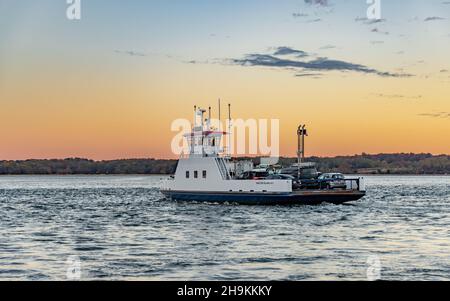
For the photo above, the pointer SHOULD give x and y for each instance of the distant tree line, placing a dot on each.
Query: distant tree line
(357, 164)
(88, 167)
(412, 164)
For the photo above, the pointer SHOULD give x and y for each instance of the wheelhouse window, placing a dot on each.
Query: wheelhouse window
(187, 174)
(204, 174)
(196, 174)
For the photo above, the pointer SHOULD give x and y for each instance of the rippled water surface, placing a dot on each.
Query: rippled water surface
(121, 228)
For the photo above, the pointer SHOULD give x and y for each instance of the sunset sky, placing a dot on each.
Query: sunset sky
(108, 86)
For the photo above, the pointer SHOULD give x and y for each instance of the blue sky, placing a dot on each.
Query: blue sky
(209, 29)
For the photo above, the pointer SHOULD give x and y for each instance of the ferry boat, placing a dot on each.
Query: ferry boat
(206, 175)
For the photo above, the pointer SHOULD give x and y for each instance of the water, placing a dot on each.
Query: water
(120, 228)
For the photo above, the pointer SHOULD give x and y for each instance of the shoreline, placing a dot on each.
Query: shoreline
(167, 175)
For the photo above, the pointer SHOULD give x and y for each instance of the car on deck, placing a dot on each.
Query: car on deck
(308, 174)
(255, 174)
(295, 184)
(332, 181)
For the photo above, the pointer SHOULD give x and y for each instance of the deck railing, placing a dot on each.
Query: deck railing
(355, 184)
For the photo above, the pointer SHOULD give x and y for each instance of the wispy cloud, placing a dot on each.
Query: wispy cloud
(283, 50)
(318, 2)
(314, 11)
(300, 15)
(441, 115)
(314, 20)
(130, 53)
(434, 18)
(313, 75)
(376, 30)
(326, 47)
(274, 60)
(196, 62)
(398, 96)
(367, 21)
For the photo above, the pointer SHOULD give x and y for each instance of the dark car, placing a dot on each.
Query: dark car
(254, 175)
(308, 171)
(295, 183)
(309, 184)
(332, 181)
(308, 175)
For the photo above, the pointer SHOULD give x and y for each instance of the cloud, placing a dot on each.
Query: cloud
(397, 96)
(312, 75)
(314, 20)
(214, 35)
(196, 62)
(289, 51)
(434, 18)
(317, 64)
(441, 115)
(313, 10)
(367, 21)
(300, 15)
(376, 30)
(317, 2)
(130, 53)
(327, 47)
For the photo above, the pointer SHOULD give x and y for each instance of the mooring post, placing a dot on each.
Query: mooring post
(299, 151)
(303, 142)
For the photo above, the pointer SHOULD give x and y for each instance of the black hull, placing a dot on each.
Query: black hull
(295, 198)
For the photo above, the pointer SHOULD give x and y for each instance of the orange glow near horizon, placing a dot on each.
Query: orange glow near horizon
(115, 118)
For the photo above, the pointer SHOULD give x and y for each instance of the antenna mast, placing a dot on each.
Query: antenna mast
(299, 158)
(304, 133)
(209, 118)
(229, 130)
(195, 116)
(301, 133)
(220, 117)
